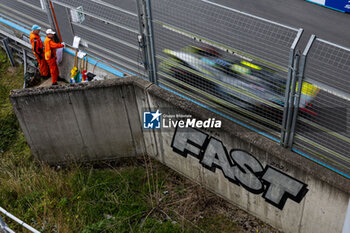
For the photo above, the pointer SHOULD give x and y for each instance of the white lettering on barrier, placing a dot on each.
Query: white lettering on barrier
(239, 167)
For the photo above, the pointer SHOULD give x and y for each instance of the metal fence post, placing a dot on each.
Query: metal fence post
(300, 86)
(291, 99)
(141, 39)
(291, 67)
(147, 43)
(286, 98)
(152, 69)
(25, 65)
(147, 50)
(8, 51)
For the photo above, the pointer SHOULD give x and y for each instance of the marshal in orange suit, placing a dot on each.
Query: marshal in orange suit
(38, 50)
(50, 55)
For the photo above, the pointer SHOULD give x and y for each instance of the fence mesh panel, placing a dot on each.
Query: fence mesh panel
(110, 31)
(110, 12)
(28, 12)
(239, 31)
(329, 64)
(326, 135)
(33, 3)
(227, 60)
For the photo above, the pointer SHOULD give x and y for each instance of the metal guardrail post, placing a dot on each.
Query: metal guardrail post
(286, 98)
(147, 41)
(300, 86)
(291, 67)
(291, 99)
(25, 65)
(8, 51)
(141, 39)
(150, 39)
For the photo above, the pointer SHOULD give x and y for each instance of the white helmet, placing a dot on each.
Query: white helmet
(49, 31)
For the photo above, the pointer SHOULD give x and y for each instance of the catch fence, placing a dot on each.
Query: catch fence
(325, 137)
(239, 65)
(28, 12)
(108, 30)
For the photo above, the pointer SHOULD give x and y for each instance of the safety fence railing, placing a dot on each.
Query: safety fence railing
(325, 135)
(108, 30)
(239, 65)
(27, 11)
(233, 62)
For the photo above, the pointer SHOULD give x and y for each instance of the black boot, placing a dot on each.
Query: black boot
(61, 79)
(46, 77)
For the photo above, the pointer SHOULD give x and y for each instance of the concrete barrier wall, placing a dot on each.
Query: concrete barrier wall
(280, 187)
(80, 122)
(104, 120)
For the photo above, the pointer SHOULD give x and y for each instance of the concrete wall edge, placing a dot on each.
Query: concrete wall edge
(346, 227)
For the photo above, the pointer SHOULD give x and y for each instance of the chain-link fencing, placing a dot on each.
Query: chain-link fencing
(108, 30)
(230, 61)
(325, 134)
(28, 12)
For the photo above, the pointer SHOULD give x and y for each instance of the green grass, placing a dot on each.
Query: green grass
(128, 195)
(9, 128)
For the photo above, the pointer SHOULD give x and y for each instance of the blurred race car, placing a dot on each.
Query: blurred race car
(239, 82)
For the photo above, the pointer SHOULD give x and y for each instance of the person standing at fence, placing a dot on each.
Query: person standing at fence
(38, 50)
(50, 54)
